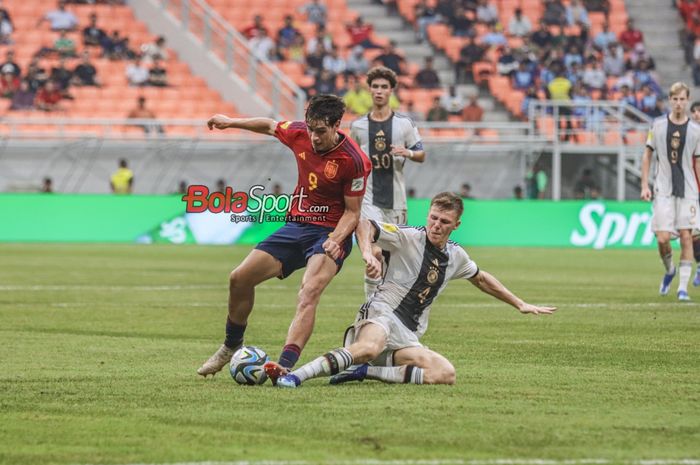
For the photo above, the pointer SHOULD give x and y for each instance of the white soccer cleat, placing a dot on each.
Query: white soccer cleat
(216, 362)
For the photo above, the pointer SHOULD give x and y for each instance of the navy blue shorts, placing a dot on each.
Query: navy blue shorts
(294, 243)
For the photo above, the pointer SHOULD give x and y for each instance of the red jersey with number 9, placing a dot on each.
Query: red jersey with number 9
(325, 179)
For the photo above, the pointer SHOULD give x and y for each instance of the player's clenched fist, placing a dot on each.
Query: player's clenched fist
(218, 122)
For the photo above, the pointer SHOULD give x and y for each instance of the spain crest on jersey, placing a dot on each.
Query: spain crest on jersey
(331, 169)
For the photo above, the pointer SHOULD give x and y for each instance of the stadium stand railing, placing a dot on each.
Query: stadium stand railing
(284, 96)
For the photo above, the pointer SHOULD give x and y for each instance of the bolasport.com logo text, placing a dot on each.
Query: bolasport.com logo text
(251, 206)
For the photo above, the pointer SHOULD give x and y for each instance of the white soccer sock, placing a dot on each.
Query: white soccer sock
(668, 263)
(401, 374)
(328, 364)
(371, 286)
(685, 269)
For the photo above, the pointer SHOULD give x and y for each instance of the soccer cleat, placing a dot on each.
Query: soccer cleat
(288, 381)
(696, 281)
(666, 283)
(216, 362)
(683, 296)
(274, 370)
(353, 373)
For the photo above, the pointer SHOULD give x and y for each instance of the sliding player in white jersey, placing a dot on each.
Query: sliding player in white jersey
(389, 139)
(389, 325)
(674, 142)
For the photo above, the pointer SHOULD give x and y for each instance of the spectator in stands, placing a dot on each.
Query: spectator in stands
(631, 36)
(602, 6)
(358, 99)
(494, 37)
(427, 78)
(62, 77)
(473, 113)
(23, 99)
(85, 73)
(436, 112)
(648, 102)
(316, 12)
(7, 27)
(361, 34)
(518, 193)
(412, 113)
(425, 16)
(696, 73)
(262, 45)
(93, 36)
(638, 55)
(64, 46)
(580, 95)
(577, 15)
(554, 13)
(295, 53)
(48, 97)
(157, 75)
(141, 112)
(154, 51)
(604, 37)
(287, 34)
(486, 12)
(469, 54)
(46, 186)
(461, 25)
(122, 181)
(411, 193)
(626, 96)
(392, 60)
(220, 185)
(507, 64)
(465, 191)
(60, 19)
(356, 63)
(560, 87)
(585, 185)
(9, 84)
(614, 60)
(314, 61)
(137, 73)
(541, 38)
(452, 101)
(251, 30)
(321, 40)
(536, 181)
(643, 76)
(10, 66)
(116, 47)
(522, 78)
(334, 63)
(325, 83)
(530, 96)
(575, 73)
(36, 75)
(594, 77)
(573, 55)
(519, 25)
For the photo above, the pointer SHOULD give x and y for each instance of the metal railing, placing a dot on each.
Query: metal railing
(266, 80)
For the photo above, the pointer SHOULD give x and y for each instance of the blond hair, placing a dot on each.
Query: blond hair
(448, 201)
(677, 88)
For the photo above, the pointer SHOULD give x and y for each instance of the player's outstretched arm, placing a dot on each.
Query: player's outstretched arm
(260, 125)
(489, 284)
(646, 163)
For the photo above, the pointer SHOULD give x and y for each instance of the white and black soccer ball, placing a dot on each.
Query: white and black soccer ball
(247, 365)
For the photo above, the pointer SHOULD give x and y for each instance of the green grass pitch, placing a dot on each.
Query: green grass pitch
(100, 343)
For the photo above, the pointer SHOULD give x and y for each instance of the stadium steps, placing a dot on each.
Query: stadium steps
(661, 24)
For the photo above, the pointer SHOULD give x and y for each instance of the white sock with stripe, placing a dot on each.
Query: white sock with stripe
(401, 374)
(328, 364)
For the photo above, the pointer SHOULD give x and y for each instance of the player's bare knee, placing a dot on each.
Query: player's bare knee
(364, 351)
(439, 375)
(310, 293)
(238, 280)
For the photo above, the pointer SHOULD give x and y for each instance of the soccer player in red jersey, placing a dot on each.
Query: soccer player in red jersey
(333, 172)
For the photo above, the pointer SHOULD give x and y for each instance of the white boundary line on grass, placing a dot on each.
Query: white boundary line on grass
(451, 462)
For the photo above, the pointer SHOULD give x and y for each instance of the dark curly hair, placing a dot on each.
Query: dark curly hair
(325, 107)
(382, 72)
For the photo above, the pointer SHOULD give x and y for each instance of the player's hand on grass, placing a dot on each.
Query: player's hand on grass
(373, 266)
(537, 310)
(218, 122)
(646, 193)
(332, 248)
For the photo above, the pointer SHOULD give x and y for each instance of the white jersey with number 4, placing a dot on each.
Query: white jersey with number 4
(416, 273)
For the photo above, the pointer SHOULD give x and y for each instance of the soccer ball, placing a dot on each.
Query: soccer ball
(247, 365)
